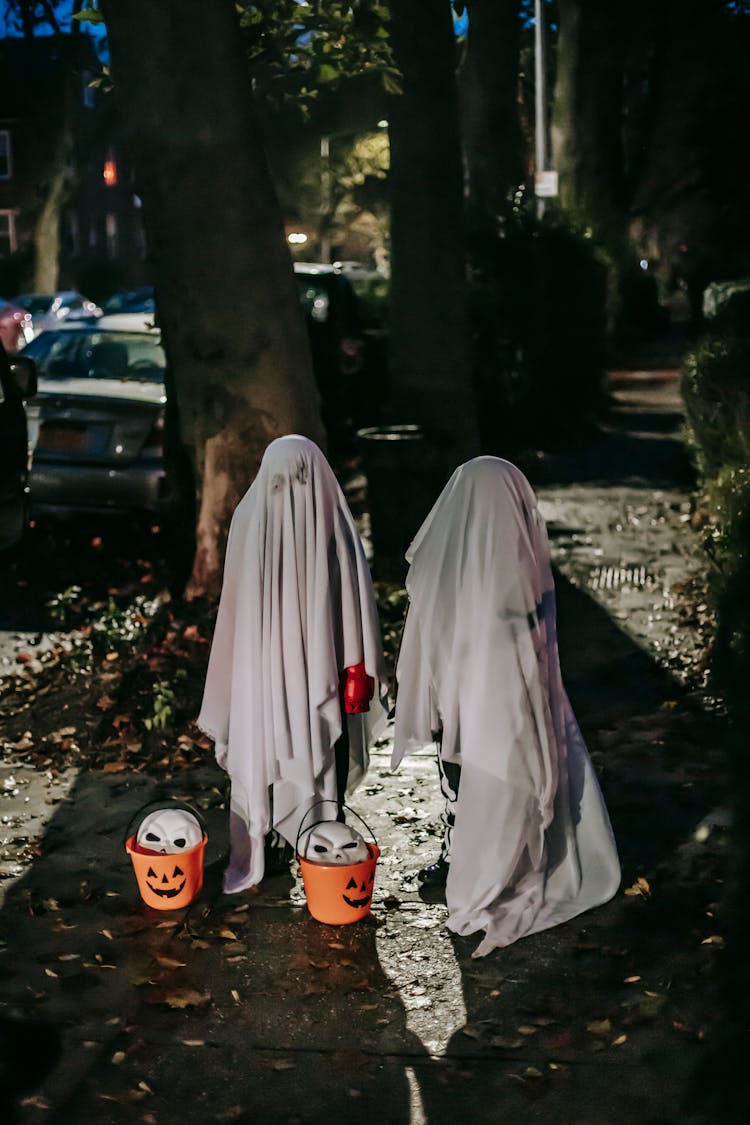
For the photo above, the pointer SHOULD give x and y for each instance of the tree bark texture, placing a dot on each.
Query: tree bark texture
(587, 123)
(488, 88)
(228, 307)
(58, 189)
(429, 360)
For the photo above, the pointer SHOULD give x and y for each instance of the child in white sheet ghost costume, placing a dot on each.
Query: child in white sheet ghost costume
(297, 608)
(479, 673)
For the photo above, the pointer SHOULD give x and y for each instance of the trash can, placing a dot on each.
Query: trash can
(401, 464)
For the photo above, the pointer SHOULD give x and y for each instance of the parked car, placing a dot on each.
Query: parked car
(131, 301)
(330, 305)
(100, 401)
(49, 310)
(17, 382)
(15, 326)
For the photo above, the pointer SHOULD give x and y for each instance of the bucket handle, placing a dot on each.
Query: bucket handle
(167, 803)
(330, 801)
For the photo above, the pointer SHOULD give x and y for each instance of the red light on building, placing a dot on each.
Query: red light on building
(110, 172)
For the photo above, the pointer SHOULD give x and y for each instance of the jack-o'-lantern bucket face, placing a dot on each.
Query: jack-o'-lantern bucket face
(167, 880)
(339, 893)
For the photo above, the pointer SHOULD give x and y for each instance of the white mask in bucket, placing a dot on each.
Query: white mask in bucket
(333, 842)
(169, 831)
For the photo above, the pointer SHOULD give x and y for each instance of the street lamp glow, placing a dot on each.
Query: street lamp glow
(297, 238)
(383, 124)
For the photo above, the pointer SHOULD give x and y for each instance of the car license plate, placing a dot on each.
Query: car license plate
(62, 437)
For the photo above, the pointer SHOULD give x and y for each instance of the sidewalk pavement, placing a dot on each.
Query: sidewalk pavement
(245, 1009)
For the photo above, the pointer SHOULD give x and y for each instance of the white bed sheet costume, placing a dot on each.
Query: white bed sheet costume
(532, 845)
(297, 607)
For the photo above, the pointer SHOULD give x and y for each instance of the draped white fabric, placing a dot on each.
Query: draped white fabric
(532, 843)
(297, 607)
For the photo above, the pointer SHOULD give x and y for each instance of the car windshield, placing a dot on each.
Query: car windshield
(35, 305)
(99, 355)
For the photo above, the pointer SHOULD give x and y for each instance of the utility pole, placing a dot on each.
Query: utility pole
(540, 102)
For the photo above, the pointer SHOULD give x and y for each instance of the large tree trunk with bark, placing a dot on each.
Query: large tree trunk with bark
(488, 84)
(587, 124)
(58, 190)
(228, 307)
(429, 361)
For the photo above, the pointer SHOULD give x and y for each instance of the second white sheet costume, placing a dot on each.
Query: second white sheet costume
(297, 607)
(532, 844)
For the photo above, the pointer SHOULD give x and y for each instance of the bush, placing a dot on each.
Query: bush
(537, 301)
(716, 390)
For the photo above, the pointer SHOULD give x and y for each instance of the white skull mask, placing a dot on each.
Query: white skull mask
(333, 842)
(169, 831)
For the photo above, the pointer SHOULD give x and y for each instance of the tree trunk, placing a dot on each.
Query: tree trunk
(587, 124)
(47, 225)
(429, 361)
(488, 84)
(228, 307)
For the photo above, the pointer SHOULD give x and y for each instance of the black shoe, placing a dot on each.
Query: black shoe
(436, 875)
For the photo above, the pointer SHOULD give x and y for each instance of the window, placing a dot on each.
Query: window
(6, 155)
(7, 232)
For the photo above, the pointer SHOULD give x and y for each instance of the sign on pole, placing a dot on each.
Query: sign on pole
(545, 184)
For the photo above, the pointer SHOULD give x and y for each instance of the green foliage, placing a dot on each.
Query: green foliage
(537, 293)
(89, 14)
(64, 605)
(716, 390)
(295, 49)
(164, 700)
(393, 602)
(372, 301)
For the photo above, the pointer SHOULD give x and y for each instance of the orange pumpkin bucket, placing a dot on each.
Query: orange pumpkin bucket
(166, 880)
(338, 893)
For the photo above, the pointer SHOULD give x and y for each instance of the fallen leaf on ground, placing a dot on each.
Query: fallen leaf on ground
(640, 887)
(506, 1043)
(279, 1064)
(181, 998)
